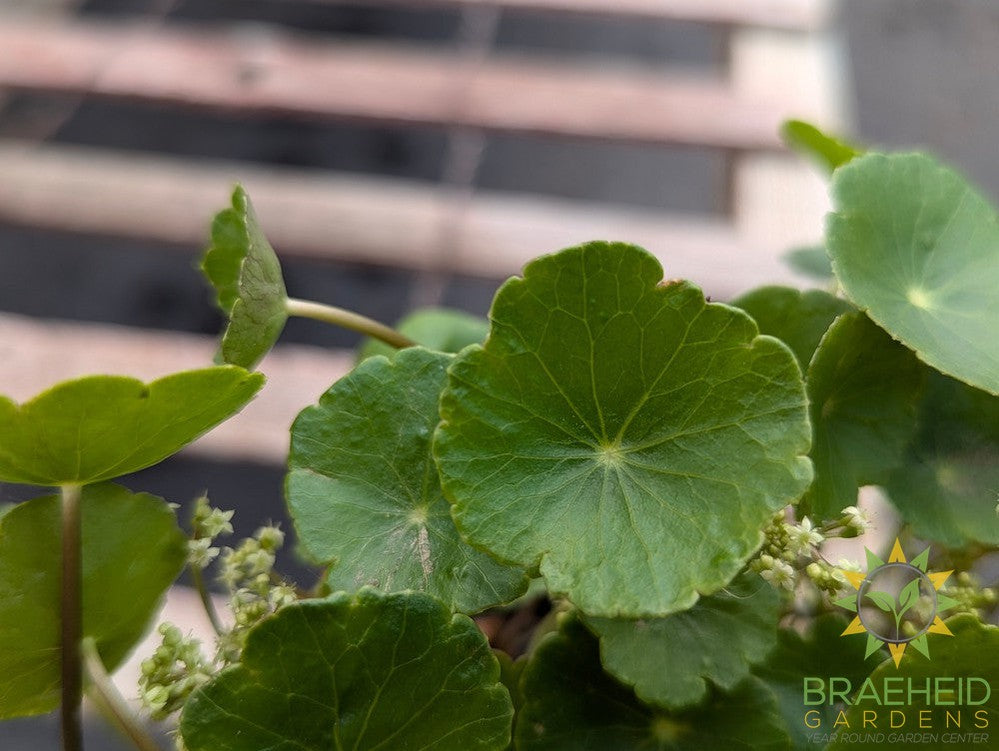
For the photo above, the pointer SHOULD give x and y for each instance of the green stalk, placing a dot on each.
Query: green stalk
(106, 696)
(71, 619)
(347, 319)
(206, 600)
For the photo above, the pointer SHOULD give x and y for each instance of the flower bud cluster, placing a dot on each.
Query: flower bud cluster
(174, 670)
(970, 595)
(255, 592)
(784, 544)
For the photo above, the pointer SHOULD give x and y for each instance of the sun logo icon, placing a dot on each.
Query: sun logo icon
(897, 603)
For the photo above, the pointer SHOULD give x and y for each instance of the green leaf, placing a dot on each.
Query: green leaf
(971, 653)
(883, 600)
(242, 267)
(799, 319)
(824, 149)
(439, 329)
(914, 245)
(811, 261)
(570, 704)
(364, 491)
(948, 487)
(908, 597)
(819, 653)
(132, 551)
(863, 391)
(673, 661)
(359, 671)
(100, 427)
(624, 435)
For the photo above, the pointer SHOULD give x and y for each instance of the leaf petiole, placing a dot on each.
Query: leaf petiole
(107, 697)
(347, 319)
(71, 619)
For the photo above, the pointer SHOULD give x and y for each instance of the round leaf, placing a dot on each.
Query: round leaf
(100, 427)
(623, 434)
(821, 652)
(947, 487)
(570, 704)
(364, 491)
(799, 319)
(246, 274)
(672, 661)
(914, 245)
(972, 652)
(363, 671)
(439, 329)
(863, 391)
(132, 551)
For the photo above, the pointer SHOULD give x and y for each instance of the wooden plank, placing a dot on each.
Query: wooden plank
(268, 73)
(791, 15)
(35, 354)
(371, 220)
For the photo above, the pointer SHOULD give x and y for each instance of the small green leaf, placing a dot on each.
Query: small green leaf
(820, 653)
(570, 704)
(883, 600)
(100, 427)
(799, 319)
(246, 274)
(132, 551)
(604, 432)
(824, 149)
(811, 261)
(971, 653)
(673, 661)
(914, 245)
(361, 671)
(364, 491)
(863, 390)
(439, 329)
(948, 486)
(908, 597)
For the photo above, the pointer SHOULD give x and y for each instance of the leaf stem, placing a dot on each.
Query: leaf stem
(107, 697)
(206, 600)
(347, 319)
(71, 619)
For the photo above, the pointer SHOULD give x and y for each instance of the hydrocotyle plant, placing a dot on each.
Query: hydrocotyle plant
(595, 521)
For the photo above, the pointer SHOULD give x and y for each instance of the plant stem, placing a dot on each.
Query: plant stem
(106, 695)
(206, 599)
(71, 619)
(347, 319)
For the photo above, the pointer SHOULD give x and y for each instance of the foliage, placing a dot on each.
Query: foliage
(663, 469)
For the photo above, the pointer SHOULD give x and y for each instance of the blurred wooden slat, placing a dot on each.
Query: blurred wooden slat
(270, 73)
(351, 218)
(794, 15)
(36, 354)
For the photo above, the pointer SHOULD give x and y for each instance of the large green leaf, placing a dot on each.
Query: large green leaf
(971, 653)
(439, 329)
(364, 491)
(820, 653)
(799, 319)
(132, 551)
(948, 487)
(570, 704)
(673, 661)
(914, 245)
(826, 150)
(242, 267)
(365, 671)
(623, 434)
(863, 391)
(100, 427)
